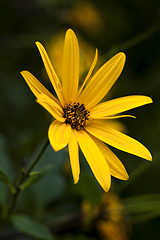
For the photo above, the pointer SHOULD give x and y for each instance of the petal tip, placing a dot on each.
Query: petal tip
(150, 100)
(76, 180)
(58, 147)
(122, 56)
(23, 72)
(70, 31)
(106, 189)
(38, 44)
(149, 157)
(106, 185)
(126, 177)
(70, 34)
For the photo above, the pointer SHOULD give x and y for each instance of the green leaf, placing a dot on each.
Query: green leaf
(35, 176)
(88, 188)
(143, 207)
(5, 179)
(27, 225)
(145, 169)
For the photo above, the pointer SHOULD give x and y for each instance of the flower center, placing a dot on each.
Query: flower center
(76, 115)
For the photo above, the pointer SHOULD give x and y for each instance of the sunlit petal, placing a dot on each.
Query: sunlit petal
(59, 134)
(36, 87)
(70, 66)
(119, 105)
(90, 71)
(118, 140)
(111, 117)
(74, 156)
(116, 167)
(103, 80)
(95, 159)
(50, 71)
(119, 126)
(51, 106)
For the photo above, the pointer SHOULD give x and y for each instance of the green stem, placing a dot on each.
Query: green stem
(133, 41)
(24, 176)
(14, 199)
(35, 162)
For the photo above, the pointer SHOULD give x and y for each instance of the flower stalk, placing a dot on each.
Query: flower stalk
(24, 176)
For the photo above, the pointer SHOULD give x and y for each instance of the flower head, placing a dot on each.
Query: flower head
(107, 217)
(78, 114)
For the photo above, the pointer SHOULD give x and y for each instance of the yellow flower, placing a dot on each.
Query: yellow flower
(107, 217)
(92, 23)
(79, 114)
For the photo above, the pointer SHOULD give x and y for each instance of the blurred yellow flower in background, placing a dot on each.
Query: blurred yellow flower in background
(85, 15)
(107, 217)
(81, 121)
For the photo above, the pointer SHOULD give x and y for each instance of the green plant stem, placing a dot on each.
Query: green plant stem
(35, 162)
(13, 204)
(133, 41)
(23, 176)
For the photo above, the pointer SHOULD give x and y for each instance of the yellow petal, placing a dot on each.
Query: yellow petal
(116, 167)
(111, 117)
(90, 71)
(95, 159)
(103, 80)
(111, 124)
(119, 105)
(59, 134)
(74, 156)
(51, 106)
(118, 140)
(36, 87)
(70, 66)
(50, 71)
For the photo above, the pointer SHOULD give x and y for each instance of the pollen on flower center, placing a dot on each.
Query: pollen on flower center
(76, 115)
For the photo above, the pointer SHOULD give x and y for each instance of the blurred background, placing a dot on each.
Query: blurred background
(131, 210)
